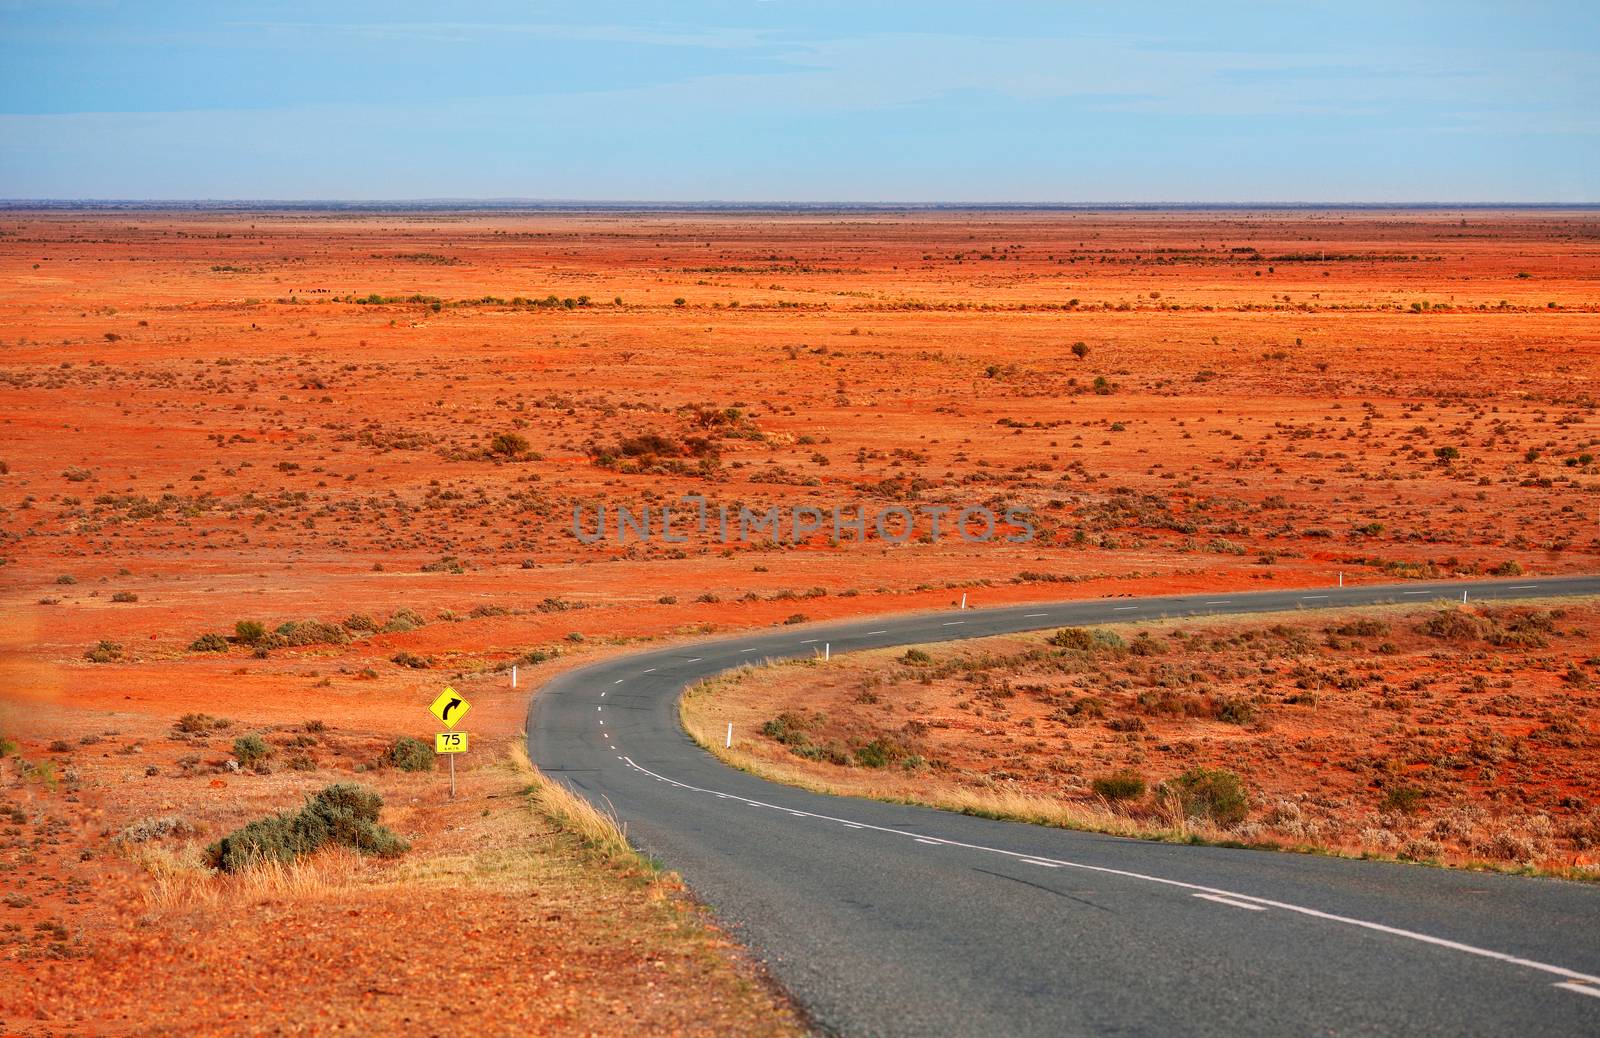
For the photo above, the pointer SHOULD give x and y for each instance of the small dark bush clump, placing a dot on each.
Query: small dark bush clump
(915, 657)
(249, 632)
(200, 723)
(410, 754)
(103, 652)
(1407, 800)
(344, 814)
(1126, 784)
(251, 750)
(209, 642)
(1455, 624)
(1206, 793)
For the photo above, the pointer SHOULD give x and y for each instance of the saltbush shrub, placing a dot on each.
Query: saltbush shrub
(410, 754)
(345, 814)
(1209, 793)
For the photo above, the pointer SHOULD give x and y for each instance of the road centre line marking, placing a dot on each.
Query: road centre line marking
(749, 650)
(1307, 598)
(1365, 924)
(1219, 601)
(1417, 592)
(808, 641)
(617, 682)
(652, 670)
(1124, 609)
(954, 623)
(697, 659)
(1229, 901)
(1031, 616)
(871, 633)
(1522, 587)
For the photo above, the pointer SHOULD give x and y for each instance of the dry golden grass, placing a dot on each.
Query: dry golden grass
(1010, 805)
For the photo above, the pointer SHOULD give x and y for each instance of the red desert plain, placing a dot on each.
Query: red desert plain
(270, 480)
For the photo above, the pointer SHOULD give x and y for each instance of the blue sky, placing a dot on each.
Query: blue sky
(805, 101)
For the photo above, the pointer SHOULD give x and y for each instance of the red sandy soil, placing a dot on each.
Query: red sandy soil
(200, 425)
(1454, 734)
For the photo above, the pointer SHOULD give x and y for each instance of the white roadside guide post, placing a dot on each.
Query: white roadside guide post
(963, 600)
(827, 651)
(729, 743)
(450, 708)
(513, 675)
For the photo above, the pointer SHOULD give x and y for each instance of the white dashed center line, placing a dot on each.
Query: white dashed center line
(1572, 980)
(954, 623)
(1582, 989)
(1230, 901)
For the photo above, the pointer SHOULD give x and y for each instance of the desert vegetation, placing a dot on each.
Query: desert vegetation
(1449, 734)
(264, 470)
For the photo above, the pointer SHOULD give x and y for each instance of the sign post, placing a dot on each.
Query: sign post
(450, 708)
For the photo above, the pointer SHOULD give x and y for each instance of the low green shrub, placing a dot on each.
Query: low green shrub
(209, 642)
(1210, 793)
(410, 754)
(345, 814)
(251, 750)
(1126, 784)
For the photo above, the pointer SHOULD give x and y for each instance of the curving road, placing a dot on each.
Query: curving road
(884, 919)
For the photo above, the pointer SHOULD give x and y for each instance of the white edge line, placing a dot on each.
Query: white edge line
(1365, 924)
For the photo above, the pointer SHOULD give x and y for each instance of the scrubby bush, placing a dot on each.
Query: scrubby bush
(1455, 624)
(509, 445)
(310, 632)
(124, 596)
(251, 751)
(1364, 628)
(880, 753)
(103, 651)
(1208, 793)
(1126, 784)
(915, 657)
(412, 660)
(1082, 639)
(196, 724)
(343, 814)
(403, 621)
(209, 642)
(1235, 710)
(1406, 800)
(787, 728)
(410, 754)
(249, 632)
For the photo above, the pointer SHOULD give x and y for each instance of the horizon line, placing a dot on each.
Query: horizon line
(447, 202)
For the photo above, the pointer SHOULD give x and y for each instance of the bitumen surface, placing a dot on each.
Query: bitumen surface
(890, 919)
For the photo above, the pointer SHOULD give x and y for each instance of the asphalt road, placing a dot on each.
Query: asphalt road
(884, 919)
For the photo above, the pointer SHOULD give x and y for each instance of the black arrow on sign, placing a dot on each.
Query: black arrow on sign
(449, 707)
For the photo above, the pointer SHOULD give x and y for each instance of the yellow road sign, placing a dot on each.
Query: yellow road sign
(450, 707)
(450, 742)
